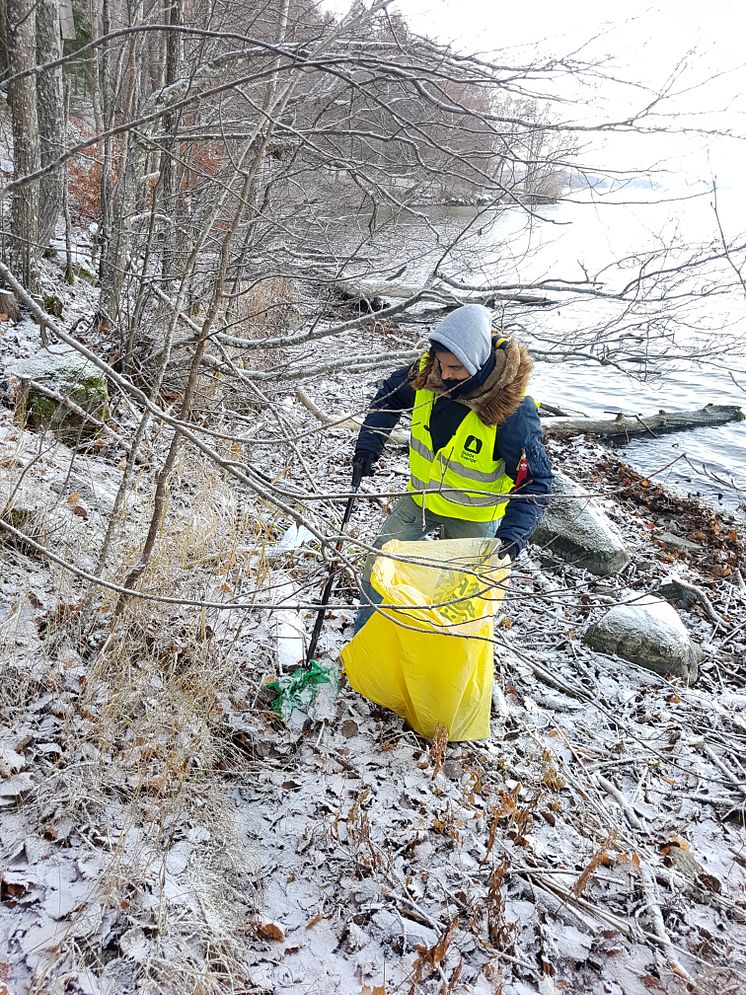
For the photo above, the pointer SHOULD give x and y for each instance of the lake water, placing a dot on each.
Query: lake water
(682, 352)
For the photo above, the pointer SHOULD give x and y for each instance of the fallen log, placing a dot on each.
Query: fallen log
(623, 426)
(552, 409)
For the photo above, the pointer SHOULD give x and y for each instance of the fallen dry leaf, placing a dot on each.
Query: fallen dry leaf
(270, 931)
(599, 858)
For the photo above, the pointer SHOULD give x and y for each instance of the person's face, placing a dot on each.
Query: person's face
(452, 371)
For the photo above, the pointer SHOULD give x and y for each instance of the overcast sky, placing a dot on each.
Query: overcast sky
(641, 31)
(642, 42)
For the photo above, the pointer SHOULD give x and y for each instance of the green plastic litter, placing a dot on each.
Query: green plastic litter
(297, 690)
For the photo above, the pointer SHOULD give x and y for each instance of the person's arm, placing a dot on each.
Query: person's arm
(396, 394)
(527, 464)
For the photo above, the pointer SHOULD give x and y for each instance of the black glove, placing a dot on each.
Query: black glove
(362, 466)
(508, 549)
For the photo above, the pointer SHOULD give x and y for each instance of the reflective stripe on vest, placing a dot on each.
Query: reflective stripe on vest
(463, 479)
(456, 497)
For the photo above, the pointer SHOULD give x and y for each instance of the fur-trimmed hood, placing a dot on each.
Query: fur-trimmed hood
(500, 394)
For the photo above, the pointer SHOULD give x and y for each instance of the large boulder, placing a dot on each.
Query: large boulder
(579, 531)
(647, 631)
(59, 371)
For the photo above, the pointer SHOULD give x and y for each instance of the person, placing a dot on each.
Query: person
(477, 463)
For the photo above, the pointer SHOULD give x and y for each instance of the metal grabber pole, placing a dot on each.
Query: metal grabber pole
(332, 574)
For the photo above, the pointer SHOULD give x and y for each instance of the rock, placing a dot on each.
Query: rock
(648, 632)
(579, 531)
(85, 273)
(605, 588)
(356, 937)
(684, 862)
(678, 594)
(64, 372)
(678, 543)
(365, 892)
(391, 927)
(46, 506)
(453, 769)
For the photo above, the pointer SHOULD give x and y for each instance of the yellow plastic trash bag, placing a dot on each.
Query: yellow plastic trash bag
(432, 665)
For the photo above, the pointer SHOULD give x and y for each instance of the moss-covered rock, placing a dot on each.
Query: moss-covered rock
(61, 371)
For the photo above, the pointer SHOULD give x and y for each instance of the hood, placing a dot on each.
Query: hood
(502, 391)
(467, 333)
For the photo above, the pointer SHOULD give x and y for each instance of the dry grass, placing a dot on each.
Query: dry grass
(500, 932)
(136, 777)
(261, 310)
(438, 746)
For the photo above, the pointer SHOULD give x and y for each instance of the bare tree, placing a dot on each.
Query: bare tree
(23, 236)
(51, 117)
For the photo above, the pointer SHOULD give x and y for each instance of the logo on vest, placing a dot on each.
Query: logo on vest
(472, 448)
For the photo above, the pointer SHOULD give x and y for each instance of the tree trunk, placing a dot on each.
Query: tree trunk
(69, 271)
(370, 290)
(168, 179)
(4, 42)
(132, 167)
(103, 101)
(23, 238)
(51, 117)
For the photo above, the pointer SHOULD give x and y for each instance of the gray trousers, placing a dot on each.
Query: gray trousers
(408, 522)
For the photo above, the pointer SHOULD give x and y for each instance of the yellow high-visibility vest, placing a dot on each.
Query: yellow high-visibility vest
(463, 479)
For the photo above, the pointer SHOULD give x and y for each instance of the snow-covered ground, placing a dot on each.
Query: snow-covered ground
(164, 831)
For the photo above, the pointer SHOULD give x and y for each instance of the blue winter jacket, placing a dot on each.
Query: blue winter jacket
(520, 433)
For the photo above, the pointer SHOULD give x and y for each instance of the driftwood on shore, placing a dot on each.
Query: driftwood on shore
(623, 426)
